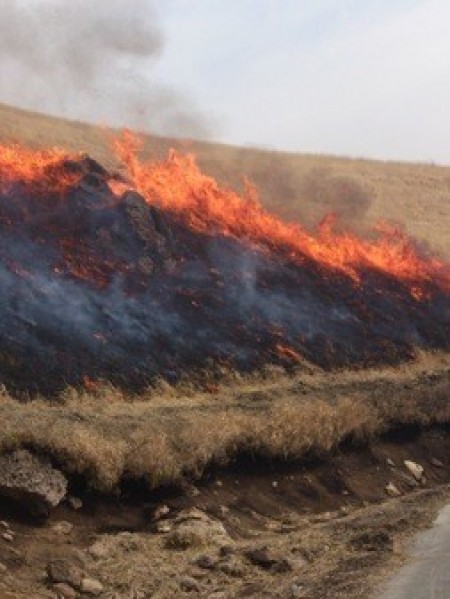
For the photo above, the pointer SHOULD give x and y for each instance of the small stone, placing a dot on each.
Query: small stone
(192, 491)
(161, 512)
(199, 573)
(297, 563)
(205, 561)
(415, 469)
(263, 558)
(4, 524)
(298, 591)
(219, 483)
(91, 586)
(325, 517)
(437, 463)
(232, 568)
(227, 550)
(98, 550)
(274, 484)
(62, 570)
(3, 568)
(8, 536)
(390, 463)
(224, 510)
(75, 503)
(392, 490)
(189, 584)
(163, 528)
(64, 591)
(62, 528)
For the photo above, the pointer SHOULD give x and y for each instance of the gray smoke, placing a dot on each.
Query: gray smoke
(90, 60)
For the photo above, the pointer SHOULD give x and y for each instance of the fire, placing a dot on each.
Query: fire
(160, 271)
(177, 185)
(42, 171)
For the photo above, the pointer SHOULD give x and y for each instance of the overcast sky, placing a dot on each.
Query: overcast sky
(361, 78)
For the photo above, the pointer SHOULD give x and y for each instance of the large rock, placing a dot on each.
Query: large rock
(194, 527)
(31, 482)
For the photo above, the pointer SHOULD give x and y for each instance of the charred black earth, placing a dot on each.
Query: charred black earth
(99, 287)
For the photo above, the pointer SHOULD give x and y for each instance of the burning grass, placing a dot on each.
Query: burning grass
(164, 271)
(171, 434)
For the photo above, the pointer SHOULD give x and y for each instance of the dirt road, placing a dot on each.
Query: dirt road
(427, 576)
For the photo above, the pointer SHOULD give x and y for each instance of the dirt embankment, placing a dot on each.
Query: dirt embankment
(328, 522)
(323, 529)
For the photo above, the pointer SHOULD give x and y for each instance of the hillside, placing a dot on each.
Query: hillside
(297, 186)
(200, 400)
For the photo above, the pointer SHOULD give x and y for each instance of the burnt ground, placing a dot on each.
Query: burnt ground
(327, 525)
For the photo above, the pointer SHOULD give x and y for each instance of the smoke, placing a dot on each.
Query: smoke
(91, 61)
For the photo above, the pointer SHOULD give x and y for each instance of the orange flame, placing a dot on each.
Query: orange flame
(40, 170)
(177, 185)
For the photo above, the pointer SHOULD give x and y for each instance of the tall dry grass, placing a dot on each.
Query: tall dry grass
(166, 436)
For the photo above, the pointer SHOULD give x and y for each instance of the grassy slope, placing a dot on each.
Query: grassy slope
(297, 186)
(105, 436)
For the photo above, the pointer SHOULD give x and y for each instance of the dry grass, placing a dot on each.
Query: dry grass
(165, 436)
(297, 186)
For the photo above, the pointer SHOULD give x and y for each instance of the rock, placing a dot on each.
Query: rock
(63, 571)
(297, 563)
(161, 512)
(227, 550)
(232, 568)
(390, 463)
(91, 586)
(324, 517)
(193, 528)
(392, 490)
(205, 561)
(298, 590)
(199, 573)
(163, 527)
(98, 549)
(409, 480)
(437, 463)
(4, 524)
(377, 540)
(274, 484)
(192, 491)
(415, 469)
(189, 584)
(75, 503)
(62, 528)
(263, 558)
(8, 536)
(31, 482)
(64, 591)
(3, 568)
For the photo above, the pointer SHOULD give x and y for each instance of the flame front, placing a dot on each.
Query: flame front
(159, 270)
(177, 185)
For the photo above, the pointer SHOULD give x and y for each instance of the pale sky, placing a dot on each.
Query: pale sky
(355, 77)
(362, 78)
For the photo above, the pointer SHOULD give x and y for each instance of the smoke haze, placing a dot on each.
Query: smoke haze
(90, 61)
